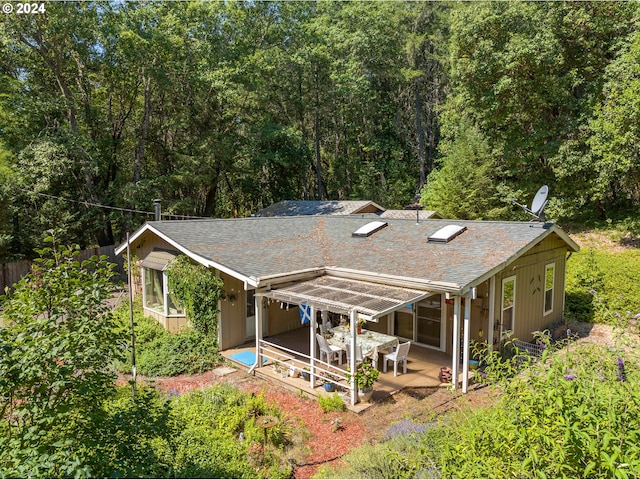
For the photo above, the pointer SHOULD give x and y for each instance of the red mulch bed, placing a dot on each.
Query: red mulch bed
(325, 442)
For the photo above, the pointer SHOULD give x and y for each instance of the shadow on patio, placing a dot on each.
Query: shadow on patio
(423, 367)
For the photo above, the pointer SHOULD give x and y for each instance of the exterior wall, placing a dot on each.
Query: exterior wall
(367, 209)
(173, 324)
(147, 242)
(143, 247)
(280, 320)
(383, 325)
(232, 313)
(479, 325)
(529, 271)
(479, 318)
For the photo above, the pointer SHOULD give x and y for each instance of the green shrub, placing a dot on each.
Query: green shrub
(331, 403)
(217, 434)
(571, 415)
(398, 456)
(133, 439)
(174, 354)
(198, 289)
(160, 353)
(603, 286)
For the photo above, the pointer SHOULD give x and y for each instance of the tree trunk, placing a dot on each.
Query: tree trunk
(144, 129)
(420, 134)
(212, 194)
(316, 135)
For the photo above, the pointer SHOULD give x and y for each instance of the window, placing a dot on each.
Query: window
(508, 304)
(156, 295)
(446, 234)
(154, 290)
(549, 280)
(251, 303)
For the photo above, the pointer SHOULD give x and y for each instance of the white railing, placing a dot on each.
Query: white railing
(290, 358)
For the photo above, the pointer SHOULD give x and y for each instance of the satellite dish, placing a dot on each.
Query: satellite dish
(540, 200)
(537, 205)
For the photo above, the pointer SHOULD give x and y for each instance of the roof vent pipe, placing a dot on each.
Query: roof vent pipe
(156, 204)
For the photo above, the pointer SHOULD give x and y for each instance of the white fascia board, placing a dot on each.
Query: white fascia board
(394, 280)
(498, 268)
(132, 238)
(194, 256)
(398, 307)
(295, 275)
(369, 203)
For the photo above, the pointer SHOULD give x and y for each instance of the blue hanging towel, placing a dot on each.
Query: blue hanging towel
(305, 313)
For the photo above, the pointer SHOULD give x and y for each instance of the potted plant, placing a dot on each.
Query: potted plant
(364, 376)
(329, 382)
(360, 323)
(305, 373)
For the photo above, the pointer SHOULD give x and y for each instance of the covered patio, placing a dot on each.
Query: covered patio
(292, 349)
(359, 301)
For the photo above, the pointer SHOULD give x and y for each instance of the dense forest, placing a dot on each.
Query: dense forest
(222, 108)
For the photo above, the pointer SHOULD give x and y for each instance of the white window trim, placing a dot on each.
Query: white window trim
(545, 290)
(165, 295)
(503, 331)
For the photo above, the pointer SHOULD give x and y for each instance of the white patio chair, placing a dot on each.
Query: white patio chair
(328, 350)
(359, 356)
(400, 354)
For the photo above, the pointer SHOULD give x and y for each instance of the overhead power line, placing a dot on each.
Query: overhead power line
(108, 207)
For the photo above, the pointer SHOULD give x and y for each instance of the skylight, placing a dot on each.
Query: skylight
(369, 229)
(446, 234)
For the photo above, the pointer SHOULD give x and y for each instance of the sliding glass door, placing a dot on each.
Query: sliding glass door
(423, 322)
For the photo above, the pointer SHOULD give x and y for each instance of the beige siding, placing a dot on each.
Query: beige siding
(147, 242)
(479, 330)
(479, 321)
(280, 320)
(173, 324)
(368, 209)
(529, 271)
(382, 326)
(232, 313)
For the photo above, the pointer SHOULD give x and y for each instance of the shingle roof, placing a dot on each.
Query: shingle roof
(258, 247)
(410, 214)
(287, 208)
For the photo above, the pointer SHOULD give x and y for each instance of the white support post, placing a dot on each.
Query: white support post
(352, 363)
(465, 352)
(455, 361)
(312, 347)
(259, 333)
(492, 310)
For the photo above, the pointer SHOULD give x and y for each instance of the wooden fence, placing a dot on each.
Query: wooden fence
(12, 272)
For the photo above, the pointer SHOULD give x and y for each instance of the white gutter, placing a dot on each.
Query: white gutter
(194, 256)
(501, 266)
(393, 280)
(402, 305)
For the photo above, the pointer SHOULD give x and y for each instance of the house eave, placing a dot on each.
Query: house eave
(184, 250)
(574, 247)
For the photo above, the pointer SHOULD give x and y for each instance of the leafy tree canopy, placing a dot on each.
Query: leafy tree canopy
(57, 346)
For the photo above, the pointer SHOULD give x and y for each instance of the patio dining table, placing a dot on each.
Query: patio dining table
(371, 342)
